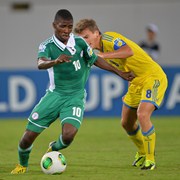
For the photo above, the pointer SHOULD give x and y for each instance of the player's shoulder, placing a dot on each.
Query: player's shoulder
(80, 41)
(111, 35)
(47, 41)
(45, 44)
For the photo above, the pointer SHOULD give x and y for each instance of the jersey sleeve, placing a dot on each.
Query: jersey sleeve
(113, 39)
(88, 53)
(43, 51)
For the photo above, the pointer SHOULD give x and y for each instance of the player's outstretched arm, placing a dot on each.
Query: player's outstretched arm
(101, 63)
(44, 63)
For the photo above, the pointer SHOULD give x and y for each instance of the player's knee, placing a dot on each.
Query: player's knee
(141, 115)
(124, 124)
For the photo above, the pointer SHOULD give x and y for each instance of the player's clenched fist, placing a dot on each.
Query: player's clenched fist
(129, 76)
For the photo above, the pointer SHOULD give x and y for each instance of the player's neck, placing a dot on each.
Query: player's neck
(99, 45)
(64, 41)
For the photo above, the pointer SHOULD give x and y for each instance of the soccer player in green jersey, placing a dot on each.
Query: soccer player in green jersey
(68, 60)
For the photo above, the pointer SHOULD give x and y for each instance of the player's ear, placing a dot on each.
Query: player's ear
(54, 25)
(96, 33)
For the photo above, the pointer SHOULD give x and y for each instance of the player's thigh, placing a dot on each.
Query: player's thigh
(44, 113)
(73, 110)
(129, 117)
(145, 110)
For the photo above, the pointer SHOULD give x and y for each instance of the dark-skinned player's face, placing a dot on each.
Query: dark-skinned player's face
(62, 29)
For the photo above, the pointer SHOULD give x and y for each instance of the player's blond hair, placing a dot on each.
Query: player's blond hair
(86, 24)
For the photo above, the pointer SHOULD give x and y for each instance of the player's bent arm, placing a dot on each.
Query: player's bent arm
(122, 53)
(44, 63)
(101, 63)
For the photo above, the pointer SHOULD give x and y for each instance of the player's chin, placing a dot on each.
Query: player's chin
(65, 37)
(92, 46)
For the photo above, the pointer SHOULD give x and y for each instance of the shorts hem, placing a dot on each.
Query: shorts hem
(73, 122)
(130, 107)
(156, 106)
(32, 127)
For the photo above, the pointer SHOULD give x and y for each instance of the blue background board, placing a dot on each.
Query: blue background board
(39, 80)
(20, 91)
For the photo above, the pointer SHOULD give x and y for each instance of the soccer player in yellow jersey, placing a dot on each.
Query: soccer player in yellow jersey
(145, 92)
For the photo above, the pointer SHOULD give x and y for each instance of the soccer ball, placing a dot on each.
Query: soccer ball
(53, 163)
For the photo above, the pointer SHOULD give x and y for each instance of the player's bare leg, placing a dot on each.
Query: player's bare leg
(28, 139)
(129, 119)
(65, 139)
(129, 123)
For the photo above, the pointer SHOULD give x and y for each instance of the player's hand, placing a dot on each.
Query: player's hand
(100, 54)
(62, 59)
(128, 76)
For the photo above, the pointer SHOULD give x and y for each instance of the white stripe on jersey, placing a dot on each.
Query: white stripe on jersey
(44, 127)
(51, 78)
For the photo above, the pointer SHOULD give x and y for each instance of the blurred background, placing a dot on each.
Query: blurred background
(24, 24)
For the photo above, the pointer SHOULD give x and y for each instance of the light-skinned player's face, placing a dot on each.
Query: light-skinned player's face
(92, 38)
(62, 29)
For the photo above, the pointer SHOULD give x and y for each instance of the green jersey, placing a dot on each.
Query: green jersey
(69, 77)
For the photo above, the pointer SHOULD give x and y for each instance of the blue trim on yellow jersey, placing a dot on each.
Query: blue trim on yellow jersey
(152, 102)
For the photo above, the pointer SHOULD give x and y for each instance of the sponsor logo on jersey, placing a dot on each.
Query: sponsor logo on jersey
(35, 116)
(118, 43)
(90, 51)
(42, 48)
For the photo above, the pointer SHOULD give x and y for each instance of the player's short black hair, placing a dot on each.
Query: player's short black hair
(64, 14)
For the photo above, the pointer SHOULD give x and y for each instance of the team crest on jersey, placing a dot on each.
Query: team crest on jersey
(118, 43)
(90, 51)
(35, 116)
(42, 48)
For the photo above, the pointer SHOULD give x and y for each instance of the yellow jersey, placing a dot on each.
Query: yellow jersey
(140, 63)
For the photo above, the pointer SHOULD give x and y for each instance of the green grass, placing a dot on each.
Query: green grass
(100, 151)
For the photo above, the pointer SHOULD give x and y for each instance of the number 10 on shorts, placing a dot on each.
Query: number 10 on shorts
(76, 111)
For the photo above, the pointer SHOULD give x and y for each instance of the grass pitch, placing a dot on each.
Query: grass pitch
(100, 151)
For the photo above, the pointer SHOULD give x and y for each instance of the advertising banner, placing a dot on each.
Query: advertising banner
(21, 90)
